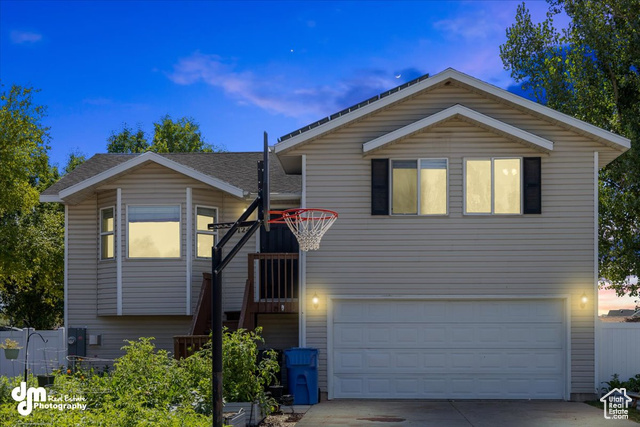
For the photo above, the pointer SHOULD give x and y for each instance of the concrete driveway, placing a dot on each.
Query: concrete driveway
(395, 413)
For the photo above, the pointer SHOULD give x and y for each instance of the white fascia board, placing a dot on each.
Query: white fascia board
(149, 156)
(51, 198)
(457, 110)
(617, 140)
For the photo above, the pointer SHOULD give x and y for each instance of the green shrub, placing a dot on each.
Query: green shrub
(244, 375)
(632, 384)
(147, 387)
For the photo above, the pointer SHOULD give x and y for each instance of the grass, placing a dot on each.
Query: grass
(634, 414)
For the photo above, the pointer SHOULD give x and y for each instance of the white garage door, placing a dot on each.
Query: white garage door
(408, 349)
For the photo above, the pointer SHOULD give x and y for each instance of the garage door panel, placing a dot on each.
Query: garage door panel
(440, 387)
(380, 361)
(414, 335)
(521, 311)
(506, 349)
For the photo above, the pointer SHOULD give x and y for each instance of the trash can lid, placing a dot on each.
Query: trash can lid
(301, 356)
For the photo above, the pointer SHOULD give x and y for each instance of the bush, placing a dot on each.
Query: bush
(632, 384)
(245, 376)
(147, 387)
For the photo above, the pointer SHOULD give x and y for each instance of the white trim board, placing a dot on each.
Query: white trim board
(118, 249)
(458, 110)
(189, 260)
(302, 268)
(605, 137)
(66, 269)
(146, 157)
(596, 256)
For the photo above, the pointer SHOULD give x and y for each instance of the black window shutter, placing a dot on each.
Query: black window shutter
(379, 186)
(531, 185)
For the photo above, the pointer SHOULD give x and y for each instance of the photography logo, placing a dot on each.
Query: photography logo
(36, 397)
(27, 397)
(616, 404)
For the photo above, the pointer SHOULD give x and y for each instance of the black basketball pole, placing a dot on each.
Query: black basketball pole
(216, 335)
(217, 265)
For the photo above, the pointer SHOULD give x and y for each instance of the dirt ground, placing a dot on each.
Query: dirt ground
(280, 419)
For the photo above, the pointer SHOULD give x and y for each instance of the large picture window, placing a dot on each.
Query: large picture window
(153, 231)
(493, 186)
(419, 187)
(106, 233)
(205, 238)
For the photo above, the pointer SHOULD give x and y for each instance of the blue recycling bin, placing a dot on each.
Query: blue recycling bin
(302, 374)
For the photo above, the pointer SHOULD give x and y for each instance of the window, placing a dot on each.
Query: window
(205, 238)
(493, 186)
(419, 187)
(153, 231)
(106, 233)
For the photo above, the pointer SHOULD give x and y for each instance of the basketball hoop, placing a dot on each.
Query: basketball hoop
(308, 225)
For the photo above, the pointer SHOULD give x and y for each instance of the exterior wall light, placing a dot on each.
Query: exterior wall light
(315, 301)
(583, 300)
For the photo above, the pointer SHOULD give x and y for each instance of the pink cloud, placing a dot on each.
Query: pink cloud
(279, 93)
(608, 300)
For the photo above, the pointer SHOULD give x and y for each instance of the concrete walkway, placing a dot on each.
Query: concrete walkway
(396, 413)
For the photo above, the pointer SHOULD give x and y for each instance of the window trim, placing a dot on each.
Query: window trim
(207, 232)
(178, 258)
(107, 233)
(464, 187)
(418, 186)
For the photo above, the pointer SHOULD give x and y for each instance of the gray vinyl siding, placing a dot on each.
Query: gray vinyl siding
(82, 262)
(235, 274)
(280, 331)
(154, 291)
(107, 282)
(457, 255)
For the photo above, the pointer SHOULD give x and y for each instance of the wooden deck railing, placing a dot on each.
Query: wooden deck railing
(272, 286)
(186, 345)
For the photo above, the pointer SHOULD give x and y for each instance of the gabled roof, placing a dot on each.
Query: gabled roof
(368, 107)
(459, 111)
(234, 173)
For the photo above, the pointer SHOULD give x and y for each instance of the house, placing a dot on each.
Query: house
(621, 313)
(138, 242)
(459, 267)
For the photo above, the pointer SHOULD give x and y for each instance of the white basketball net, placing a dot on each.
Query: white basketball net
(309, 225)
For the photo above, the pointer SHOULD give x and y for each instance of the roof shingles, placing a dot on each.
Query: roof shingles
(236, 169)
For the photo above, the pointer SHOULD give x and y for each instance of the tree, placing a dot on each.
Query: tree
(127, 141)
(74, 159)
(31, 287)
(590, 70)
(180, 136)
(23, 148)
(31, 233)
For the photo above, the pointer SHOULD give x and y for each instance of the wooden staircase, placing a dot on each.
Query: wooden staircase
(272, 287)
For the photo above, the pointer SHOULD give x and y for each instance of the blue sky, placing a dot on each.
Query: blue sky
(237, 68)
